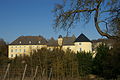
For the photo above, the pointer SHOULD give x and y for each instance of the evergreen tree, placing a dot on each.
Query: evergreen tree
(84, 63)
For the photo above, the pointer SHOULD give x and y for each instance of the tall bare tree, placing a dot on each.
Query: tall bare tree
(3, 47)
(103, 12)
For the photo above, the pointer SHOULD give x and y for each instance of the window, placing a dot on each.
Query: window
(11, 50)
(20, 42)
(11, 55)
(30, 42)
(20, 50)
(39, 42)
(24, 50)
(80, 43)
(15, 50)
(80, 49)
(15, 55)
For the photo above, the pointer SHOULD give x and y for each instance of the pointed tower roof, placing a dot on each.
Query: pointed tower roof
(82, 38)
(60, 36)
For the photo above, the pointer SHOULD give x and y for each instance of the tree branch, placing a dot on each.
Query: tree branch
(106, 23)
(64, 17)
(78, 11)
(98, 27)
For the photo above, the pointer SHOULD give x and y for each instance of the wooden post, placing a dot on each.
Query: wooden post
(8, 66)
(24, 72)
(8, 74)
(50, 74)
(35, 72)
(43, 74)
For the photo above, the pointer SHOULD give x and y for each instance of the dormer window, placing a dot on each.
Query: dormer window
(30, 42)
(20, 42)
(39, 42)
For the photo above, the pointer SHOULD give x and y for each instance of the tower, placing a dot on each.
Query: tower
(60, 40)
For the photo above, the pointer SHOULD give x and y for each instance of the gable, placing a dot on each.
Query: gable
(82, 38)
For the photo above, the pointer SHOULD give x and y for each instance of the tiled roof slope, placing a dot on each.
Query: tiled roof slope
(52, 42)
(82, 38)
(69, 40)
(29, 40)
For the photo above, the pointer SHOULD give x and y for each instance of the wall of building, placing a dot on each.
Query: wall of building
(79, 46)
(21, 50)
(53, 47)
(71, 47)
(83, 46)
(60, 41)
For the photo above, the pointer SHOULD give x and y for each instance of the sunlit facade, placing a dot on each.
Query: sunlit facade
(25, 45)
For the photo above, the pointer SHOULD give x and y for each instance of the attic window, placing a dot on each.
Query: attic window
(20, 42)
(30, 42)
(39, 42)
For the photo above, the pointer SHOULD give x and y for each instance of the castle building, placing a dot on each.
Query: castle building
(81, 43)
(24, 45)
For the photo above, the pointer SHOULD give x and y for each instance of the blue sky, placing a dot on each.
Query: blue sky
(33, 18)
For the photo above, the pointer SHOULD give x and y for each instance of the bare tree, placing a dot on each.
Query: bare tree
(3, 47)
(70, 12)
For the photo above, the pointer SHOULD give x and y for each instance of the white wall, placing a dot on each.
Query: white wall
(85, 46)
